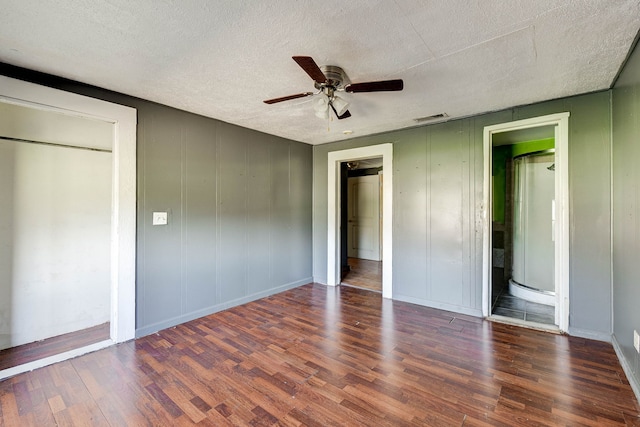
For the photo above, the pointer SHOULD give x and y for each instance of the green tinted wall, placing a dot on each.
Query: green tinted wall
(500, 155)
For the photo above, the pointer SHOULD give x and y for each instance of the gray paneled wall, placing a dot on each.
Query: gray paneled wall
(437, 223)
(239, 205)
(434, 229)
(626, 215)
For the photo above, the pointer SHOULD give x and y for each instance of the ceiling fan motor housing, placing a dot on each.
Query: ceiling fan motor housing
(336, 78)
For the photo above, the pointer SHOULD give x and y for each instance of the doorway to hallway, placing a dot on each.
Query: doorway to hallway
(336, 245)
(361, 261)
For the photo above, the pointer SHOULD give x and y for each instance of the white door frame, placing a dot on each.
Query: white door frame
(561, 274)
(333, 217)
(123, 213)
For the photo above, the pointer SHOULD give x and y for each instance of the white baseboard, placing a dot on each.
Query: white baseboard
(628, 371)
(589, 334)
(169, 323)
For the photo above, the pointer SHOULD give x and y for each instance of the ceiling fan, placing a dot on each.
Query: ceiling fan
(330, 79)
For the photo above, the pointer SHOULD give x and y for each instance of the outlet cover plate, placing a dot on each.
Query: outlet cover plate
(159, 218)
(636, 341)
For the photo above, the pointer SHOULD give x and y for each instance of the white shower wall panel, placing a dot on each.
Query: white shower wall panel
(533, 245)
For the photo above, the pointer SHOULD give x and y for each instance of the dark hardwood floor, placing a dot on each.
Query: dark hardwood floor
(26, 353)
(364, 274)
(320, 356)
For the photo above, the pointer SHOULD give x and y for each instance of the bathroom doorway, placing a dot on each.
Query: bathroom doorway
(525, 254)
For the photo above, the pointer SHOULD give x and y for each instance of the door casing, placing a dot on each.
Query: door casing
(334, 158)
(560, 122)
(123, 214)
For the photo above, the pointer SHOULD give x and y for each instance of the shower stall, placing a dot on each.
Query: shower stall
(532, 275)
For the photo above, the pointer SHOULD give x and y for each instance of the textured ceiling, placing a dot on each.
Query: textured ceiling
(222, 58)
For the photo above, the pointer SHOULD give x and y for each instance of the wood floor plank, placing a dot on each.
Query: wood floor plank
(319, 356)
(364, 274)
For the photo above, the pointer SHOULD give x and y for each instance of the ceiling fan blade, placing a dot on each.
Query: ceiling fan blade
(381, 86)
(287, 98)
(311, 68)
(344, 115)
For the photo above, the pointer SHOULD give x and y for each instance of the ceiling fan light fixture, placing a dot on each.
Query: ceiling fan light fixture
(352, 165)
(328, 80)
(322, 114)
(321, 105)
(340, 105)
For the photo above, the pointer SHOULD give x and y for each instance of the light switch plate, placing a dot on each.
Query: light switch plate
(159, 218)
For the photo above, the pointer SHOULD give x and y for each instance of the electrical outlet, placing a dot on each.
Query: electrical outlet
(636, 341)
(159, 218)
